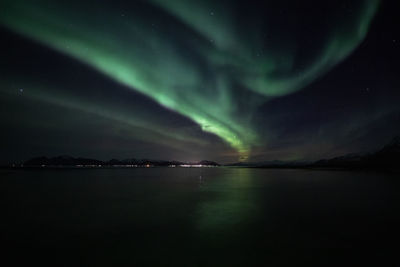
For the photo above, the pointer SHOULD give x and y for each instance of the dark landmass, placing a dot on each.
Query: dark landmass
(387, 158)
(68, 161)
(274, 163)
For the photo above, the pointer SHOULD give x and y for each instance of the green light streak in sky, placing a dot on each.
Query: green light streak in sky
(142, 126)
(188, 56)
(258, 74)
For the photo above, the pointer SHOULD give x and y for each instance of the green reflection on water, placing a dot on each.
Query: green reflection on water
(229, 201)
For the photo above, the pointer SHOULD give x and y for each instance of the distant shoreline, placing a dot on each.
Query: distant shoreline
(310, 168)
(386, 159)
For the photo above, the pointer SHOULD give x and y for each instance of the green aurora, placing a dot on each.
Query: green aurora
(192, 57)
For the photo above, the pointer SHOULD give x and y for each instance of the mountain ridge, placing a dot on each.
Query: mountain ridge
(386, 158)
(69, 161)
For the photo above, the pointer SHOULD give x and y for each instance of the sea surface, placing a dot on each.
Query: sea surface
(199, 217)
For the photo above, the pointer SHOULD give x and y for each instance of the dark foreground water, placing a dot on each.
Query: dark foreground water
(199, 217)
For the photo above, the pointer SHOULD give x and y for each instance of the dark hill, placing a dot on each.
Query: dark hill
(386, 158)
(68, 161)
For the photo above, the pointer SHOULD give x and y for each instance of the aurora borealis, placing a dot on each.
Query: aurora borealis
(188, 75)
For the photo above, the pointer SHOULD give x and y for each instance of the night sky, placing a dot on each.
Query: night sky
(191, 80)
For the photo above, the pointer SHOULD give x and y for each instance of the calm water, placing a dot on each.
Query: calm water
(199, 217)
